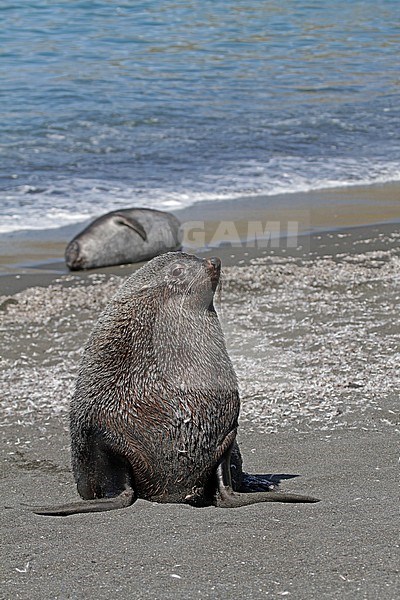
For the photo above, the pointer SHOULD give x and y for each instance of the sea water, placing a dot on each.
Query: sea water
(164, 103)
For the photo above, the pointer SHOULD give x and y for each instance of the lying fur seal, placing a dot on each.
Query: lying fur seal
(156, 406)
(123, 236)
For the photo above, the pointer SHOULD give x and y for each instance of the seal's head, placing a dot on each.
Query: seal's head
(188, 274)
(73, 256)
(177, 276)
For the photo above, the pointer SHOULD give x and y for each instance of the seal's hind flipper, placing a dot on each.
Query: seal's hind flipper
(126, 498)
(231, 499)
(226, 497)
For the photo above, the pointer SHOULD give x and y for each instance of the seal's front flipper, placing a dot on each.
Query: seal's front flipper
(227, 498)
(132, 224)
(126, 498)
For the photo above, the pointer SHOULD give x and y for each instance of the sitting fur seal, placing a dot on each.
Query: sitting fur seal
(123, 236)
(156, 406)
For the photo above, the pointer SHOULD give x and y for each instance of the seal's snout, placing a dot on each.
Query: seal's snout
(214, 268)
(73, 256)
(215, 262)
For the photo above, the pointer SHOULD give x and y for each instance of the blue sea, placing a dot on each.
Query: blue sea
(165, 103)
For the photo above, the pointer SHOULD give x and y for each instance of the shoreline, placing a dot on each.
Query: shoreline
(331, 243)
(210, 225)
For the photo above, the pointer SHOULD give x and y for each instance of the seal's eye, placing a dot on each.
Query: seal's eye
(177, 271)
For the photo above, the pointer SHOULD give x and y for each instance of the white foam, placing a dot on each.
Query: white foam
(78, 200)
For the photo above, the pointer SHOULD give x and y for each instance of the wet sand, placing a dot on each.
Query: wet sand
(41, 252)
(313, 333)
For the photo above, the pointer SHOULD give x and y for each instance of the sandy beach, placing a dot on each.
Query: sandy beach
(313, 332)
(271, 130)
(41, 252)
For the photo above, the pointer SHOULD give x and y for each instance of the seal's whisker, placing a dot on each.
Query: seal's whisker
(186, 294)
(218, 291)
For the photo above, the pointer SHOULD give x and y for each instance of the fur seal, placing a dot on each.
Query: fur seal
(123, 236)
(156, 406)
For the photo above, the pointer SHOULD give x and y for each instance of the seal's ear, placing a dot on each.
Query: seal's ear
(132, 224)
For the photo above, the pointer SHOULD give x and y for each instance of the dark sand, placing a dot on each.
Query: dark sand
(314, 336)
